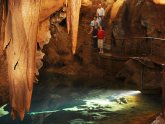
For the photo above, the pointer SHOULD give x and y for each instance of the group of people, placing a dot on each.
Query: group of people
(97, 31)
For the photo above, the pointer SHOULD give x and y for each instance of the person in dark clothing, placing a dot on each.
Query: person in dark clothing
(93, 30)
(94, 36)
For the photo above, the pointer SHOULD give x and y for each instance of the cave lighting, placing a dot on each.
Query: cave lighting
(106, 101)
(129, 93)
(42, 112)
(101, 102)
(115, 9)
(2, 111)
(159, 1)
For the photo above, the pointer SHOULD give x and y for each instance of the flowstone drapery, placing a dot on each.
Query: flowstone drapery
(21, 36)
(20, 45)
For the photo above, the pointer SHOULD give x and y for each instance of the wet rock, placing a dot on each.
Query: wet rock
(123, 100)
(138, 18)
(159, 120)
(145, 76)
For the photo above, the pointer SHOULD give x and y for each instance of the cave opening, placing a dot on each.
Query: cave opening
(122, 85)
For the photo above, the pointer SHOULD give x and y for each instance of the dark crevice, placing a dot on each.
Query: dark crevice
(63, 23)
(8, 44)
(15, 65)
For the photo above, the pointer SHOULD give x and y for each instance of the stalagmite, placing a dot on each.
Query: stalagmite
(115, 9)
(73, 20)
(20, 45)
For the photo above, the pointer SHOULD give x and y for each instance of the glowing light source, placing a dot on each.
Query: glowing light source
(102, 102)
(2, 111)
(159, 1)
(115, 9)
(42, 112)
(108, 100)
(129, 93)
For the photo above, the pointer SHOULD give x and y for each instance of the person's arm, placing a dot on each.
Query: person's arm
(97, 33)
(103, 11)
(91, 29)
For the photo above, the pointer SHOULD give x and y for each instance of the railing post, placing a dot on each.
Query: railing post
(163, 91)
(151, 46)
(142, 77)
(124, 45)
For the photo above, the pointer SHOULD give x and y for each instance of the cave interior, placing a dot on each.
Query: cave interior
(52, 69)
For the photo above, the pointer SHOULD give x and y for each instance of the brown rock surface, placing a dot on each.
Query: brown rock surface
(139, 19)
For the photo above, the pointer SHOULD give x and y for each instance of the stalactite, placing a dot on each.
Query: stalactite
(68, 15)
(115, 9)
(2, 24)
(20, 45)
(73, 13)
(21, 32)
(48, 7)
(159, 1)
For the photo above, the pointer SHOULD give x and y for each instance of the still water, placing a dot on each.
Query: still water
(61, 104)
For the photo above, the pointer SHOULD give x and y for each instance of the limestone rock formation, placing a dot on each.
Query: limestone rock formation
(21, 36)
(73, 20)
(30, 22)
(20, 44)
(138, 18)
(143, 73)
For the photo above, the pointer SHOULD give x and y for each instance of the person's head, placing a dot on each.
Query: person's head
(100, 5)
(95, 18)
(100, 28)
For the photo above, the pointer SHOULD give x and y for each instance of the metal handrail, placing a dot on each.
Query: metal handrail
(143, 64)
(151, 40)
(155, 38)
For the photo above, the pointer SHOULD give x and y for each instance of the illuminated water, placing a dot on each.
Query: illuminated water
(52, 104)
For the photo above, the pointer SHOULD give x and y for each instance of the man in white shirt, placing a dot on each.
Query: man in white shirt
(100, 12)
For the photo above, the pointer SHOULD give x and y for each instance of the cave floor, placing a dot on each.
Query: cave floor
(61, 104)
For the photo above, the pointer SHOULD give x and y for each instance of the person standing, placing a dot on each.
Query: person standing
(101, 37)
(94, 29)
(100, 13)
(94, 22)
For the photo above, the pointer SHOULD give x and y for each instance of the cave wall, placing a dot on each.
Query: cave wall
(139, 19)
(58, 51)
(20, 45)
(134, 17)
(3, 63)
